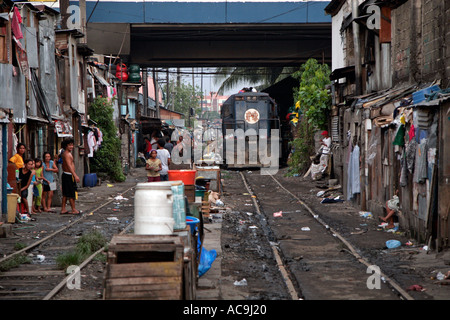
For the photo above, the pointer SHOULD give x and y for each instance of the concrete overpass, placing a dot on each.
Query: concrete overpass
(210, 33)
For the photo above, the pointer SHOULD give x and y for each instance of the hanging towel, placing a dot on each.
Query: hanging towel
(353, 175)
(412, 132)
(400, 136)
(421, 162)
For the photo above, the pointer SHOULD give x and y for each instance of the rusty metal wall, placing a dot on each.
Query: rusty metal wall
(13, 92)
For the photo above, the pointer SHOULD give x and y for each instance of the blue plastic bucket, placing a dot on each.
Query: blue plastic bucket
(191, 222)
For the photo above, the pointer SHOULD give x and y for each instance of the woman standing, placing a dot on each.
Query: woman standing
(25, 176)
(153, 167)
(18, 158)
(47, 194)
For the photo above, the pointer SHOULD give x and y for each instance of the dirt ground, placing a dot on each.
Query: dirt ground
(408, 265)
(246, 238)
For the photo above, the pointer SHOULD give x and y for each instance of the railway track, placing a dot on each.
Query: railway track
(40, 278)
(313, 288)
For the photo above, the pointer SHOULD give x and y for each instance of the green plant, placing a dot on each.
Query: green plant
(91, 242)
(315, 103)
(19, 246)
(14, 262)
(86, 245)
(303, 148)
(107, 157)
(67, 259)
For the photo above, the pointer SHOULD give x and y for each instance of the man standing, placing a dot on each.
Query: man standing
(69, 177)
(325, 149)
(164, 156)
(168, 145)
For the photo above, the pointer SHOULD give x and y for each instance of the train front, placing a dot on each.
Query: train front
(251, 131)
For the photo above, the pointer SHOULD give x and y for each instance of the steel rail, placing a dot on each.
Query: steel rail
(290, 286)
(353, 251)
(67, 279)
(67, 226)
(35, 244)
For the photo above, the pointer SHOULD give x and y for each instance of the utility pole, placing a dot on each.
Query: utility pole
(201, 89)
(356, 46)
(155, 84)
(145, 78)
(63, 6)
(167, 90)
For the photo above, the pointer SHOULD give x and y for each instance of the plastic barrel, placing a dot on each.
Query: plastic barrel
(90, 180)
(153, 208)
(179, 205)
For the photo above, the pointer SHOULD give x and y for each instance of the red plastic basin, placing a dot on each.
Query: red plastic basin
(187, 176)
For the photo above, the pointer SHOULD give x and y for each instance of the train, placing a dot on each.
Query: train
(251, 131)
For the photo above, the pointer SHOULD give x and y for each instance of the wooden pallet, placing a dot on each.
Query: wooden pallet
(144, 267)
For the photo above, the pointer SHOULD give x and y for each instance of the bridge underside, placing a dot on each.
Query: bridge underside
(213, 45)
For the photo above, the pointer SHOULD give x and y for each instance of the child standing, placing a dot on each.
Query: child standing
(48, 188)
(37, 188)
(153, 166)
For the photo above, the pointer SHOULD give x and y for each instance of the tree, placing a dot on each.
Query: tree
(107, 157)
(261, 77)
(312, 94)
(315, 104)
(184, 97)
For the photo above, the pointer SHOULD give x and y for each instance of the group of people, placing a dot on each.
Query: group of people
(158, 153)
(40, 174)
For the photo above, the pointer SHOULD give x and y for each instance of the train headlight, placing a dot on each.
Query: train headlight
(251, 116)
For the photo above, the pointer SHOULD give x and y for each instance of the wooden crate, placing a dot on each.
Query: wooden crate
(190, 275)
(189, 192)
(190, 268)
(144, 267)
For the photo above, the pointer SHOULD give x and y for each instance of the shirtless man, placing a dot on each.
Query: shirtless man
(69, 177)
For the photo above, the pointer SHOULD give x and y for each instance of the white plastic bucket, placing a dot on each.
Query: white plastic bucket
(153, 199)
(153, 203)
(154, 226)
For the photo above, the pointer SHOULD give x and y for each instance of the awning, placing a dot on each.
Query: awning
(345, 72)
(100, 78)
(149, 124)
(37, 119)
